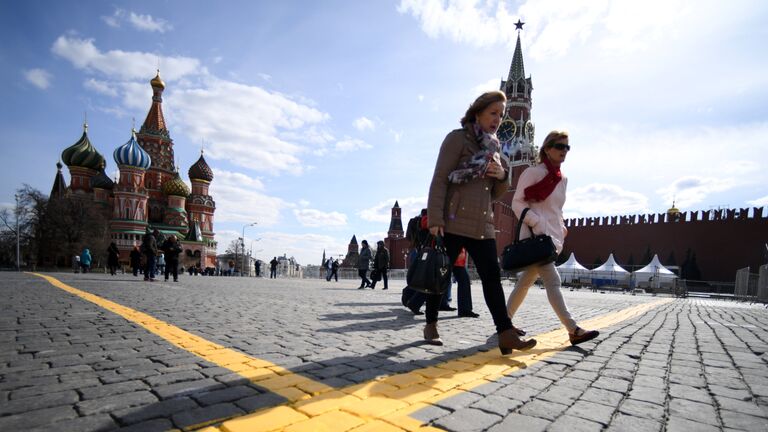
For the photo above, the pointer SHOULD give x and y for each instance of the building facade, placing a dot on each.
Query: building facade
(149, 193)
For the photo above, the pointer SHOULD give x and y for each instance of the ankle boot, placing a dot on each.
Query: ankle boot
(430, 334)
(509, 340)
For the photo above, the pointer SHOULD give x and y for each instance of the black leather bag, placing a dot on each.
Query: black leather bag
(430, 272)
(537, 249)
(375, 275)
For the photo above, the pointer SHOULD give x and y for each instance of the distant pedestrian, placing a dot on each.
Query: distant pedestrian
(135, 257)
(172, 249)
(113, 258)
(149, 249)
(464, 287)
(258, 268)
(381, 264)
(335, 269)
(76, 263)
(328, 269)
(161, 260)
(273, 268)
(363, 263)
(85, 260)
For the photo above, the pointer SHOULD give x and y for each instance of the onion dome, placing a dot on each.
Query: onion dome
(82, 153)
(176, 187)
(102, 180)
(200, 170)
(131, 154)
(157, 82)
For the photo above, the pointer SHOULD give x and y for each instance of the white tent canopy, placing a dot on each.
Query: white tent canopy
(609, 273)
(571, 270)
(654, 274)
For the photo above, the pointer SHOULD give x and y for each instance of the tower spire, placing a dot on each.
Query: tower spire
(517, 69)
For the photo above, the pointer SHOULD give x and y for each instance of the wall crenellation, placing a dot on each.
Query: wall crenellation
(659, 218)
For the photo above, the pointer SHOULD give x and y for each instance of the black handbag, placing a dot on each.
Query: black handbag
(375, 275)
(430, 272)
(537, 249)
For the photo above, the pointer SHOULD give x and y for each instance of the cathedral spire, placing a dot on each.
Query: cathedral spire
(517, 69)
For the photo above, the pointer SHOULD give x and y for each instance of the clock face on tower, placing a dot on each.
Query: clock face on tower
(506, 130)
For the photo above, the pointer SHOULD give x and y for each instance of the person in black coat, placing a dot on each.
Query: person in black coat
(113, 258)
(149, 249)
(172, 249)
(135, 260)
(381, 264)
(273, 268)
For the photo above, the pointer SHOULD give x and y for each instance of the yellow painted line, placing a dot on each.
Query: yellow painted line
(267, 375)
(387, 404)
(384, 404)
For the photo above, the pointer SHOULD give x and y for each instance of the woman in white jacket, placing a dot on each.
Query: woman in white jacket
(542, 189)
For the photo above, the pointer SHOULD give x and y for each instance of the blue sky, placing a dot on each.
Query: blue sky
(317, 116)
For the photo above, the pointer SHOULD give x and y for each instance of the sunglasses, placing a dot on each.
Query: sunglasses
(560, 146)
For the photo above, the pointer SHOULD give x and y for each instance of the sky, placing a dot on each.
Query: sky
(317, 116)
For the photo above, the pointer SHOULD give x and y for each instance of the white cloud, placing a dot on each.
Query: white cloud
(240, 198)
(102, 87)
(760, 202)
(382, 212)
(40, 78)
(491, 84)
(264, 76)
(316, 218)
(126, 65)
(244, 124)
(138, 21)
(690, 190)
(603, 199)
(351, 144)
(363, 124)
(148, 23)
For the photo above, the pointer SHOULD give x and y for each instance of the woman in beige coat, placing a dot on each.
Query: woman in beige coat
(541, 189)
(468, 177)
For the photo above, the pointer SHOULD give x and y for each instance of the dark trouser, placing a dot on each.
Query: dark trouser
(364, 277)
(483, 253)
(172, 267)
(384, 277)
(113, 269)
(136, 268)
(463, 291)
(335, 274)
(149, 267)
(258, 271)
(273, 273)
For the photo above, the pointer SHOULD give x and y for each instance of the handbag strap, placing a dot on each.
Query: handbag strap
(520, 225)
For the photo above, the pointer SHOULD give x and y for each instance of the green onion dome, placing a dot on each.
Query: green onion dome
(102, 180)
(176, 187)
(200, 170)
(82, 153)
(131, 154)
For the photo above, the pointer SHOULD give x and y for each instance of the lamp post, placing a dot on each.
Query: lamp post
(242, 241)
(18, 237)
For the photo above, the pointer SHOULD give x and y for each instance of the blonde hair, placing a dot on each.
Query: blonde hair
(482, 103)
(549, 140)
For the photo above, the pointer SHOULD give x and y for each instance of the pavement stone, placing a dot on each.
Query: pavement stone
(690, 364)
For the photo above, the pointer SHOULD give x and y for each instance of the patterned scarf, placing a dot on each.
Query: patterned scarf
(541, 190)
(476, 166)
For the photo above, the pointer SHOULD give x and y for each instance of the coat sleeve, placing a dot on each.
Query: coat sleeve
(527, 178)
(500, 186)
(447, 160)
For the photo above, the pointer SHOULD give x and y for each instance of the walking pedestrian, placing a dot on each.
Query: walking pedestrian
(335, 270)
(463, 286)
(468, 177)
(273, 268)
(172, 250)
(149, 249)
(328, 269)
(541, 190)
(113, 258)
(85, 260)
(258, 268)
(363, 263)
(135, 257)
(381, 264)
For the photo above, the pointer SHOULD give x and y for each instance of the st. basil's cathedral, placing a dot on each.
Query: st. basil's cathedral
(149, 193)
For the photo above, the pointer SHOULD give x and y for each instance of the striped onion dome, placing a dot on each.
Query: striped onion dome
(102, 180)
(176, 187)
(131, 154)
(82, 153)
(200, 170)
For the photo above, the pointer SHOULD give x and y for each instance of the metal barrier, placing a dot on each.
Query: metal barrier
(746, 285)
(762, 284)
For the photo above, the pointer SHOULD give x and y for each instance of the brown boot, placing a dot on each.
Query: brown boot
(430, 334)
(509, 340)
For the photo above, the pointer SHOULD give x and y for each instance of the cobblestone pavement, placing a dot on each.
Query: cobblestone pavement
(229, 354)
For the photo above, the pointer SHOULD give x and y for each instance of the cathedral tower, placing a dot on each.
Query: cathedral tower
(200, 208)
(83, 162)
(129, 216)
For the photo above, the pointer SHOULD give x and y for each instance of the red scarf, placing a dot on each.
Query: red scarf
(541, 190)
